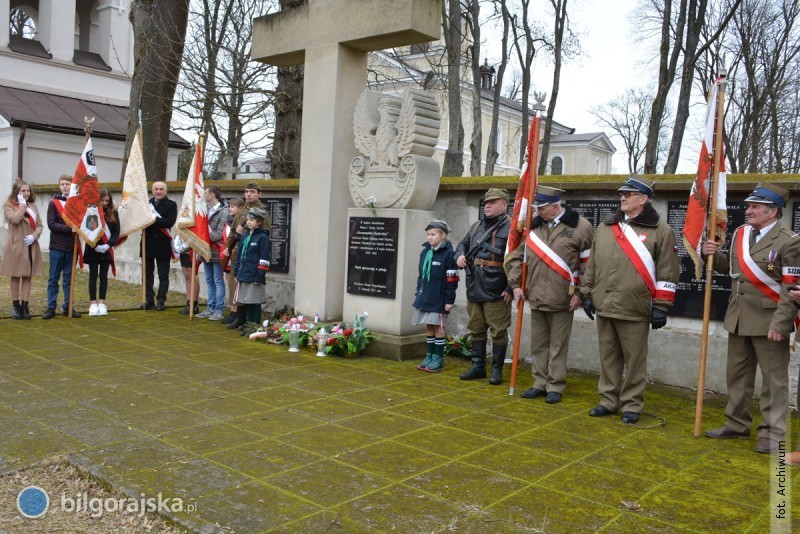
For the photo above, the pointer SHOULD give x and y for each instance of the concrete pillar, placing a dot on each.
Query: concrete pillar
(57, 27)
(5, 12)
(114, 35)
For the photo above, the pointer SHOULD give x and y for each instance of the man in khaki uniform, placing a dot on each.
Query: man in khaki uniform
(556, 253)
(481, 253)
(764, 262)
(630, 280)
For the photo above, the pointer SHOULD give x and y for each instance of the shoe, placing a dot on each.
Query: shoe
(498, 358)
(630, 418)
(160, 306)
(725, 432)
(766, 445)
(26, 313)
(229, 319)
(75, 313)
(533, 393)
(94, 310)
(16, 312)
(149, 305)
(437, 364)
(205, 314)
(793, 459)
(553, 397)
(425, 362)
(216, 316)
(600, 411)
(49, 313)
(102, 309)
(478, 370)
(185, 310)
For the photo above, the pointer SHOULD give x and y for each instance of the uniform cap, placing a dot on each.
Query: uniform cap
(767, 193)
(638, 184)
(493, 194)
(546, 195)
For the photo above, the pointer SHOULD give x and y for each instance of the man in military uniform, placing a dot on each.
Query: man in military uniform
(764, 263)
(630, 284)
(557, 252)
(488, 294)
(252, 199)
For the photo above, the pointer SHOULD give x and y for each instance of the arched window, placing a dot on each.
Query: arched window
(557, 165)
(22, 22)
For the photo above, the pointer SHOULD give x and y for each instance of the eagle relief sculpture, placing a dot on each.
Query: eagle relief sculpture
(397, 137)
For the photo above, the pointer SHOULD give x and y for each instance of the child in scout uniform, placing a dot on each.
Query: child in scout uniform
(251, 268)
(436, 292)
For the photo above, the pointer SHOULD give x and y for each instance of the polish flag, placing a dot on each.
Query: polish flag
(192, 223)
(82, 211)
(521, 201)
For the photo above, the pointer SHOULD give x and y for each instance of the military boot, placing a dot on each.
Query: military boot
(478, 369)
(17, 312)
(498, 357)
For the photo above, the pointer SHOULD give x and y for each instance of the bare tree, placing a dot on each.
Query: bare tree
(451, 25)
(476, 139)
(559, 27)
(497, 90)
(628, 116)
(159, 31)
(285, 153)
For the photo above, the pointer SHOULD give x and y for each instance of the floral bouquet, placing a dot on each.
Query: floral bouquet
(344, 341)
(458, 346)
(307, 330)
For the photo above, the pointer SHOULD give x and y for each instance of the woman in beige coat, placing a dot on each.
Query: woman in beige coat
(22, 257)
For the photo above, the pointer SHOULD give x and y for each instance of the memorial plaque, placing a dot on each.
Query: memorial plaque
(372, 256)
(796, 217)
(280, 212)
(595, 211)
(690, 292)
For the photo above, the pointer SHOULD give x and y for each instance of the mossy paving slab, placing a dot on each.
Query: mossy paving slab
(400, 508)
(636, 462)
(329, 410)
(187, 479)
(95, 430)
(258, 366)
(376, 397)
(328, 385)
(635, 523)
(392, 460)
(240, 383)
(607, 429)
(703, 478)
(28, 443)
(122, 401)
(425, 387)
(489, 425)
(557, 443)
(597, 484)
(274, 422)
(328, 483)
(383, 424)
(696, 510)
(492, 399)
(137, 453)
(202, 439)
(183, 393)
(283, 395)
(226, 406)
(325, 521)
(157, 422)
(429, 410)
(264, 458)
(254, 507)
(465, 484)
(444, 441)
(327, 439)
(514, 461)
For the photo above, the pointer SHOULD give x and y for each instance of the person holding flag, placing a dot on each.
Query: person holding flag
(62, 243)
(481, 254)
(764, 264)
(101, 257)
(158, 247)
(558, 251)
(630, 284)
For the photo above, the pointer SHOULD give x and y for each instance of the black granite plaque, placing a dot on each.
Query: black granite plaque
(796, 217)
(280, 212)
(690, 292)
(372, 256)
(595, 211)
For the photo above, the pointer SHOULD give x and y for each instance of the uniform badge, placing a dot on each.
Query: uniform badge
(772, 256)
(643, 237)
(568, 232)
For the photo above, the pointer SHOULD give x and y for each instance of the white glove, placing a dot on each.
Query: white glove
(102, 249)
(153, 209)
(21, 199)
(28, 239)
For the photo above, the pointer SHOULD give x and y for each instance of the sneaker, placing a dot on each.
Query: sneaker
(102, 309)
(216, 316)
(205, 314)
(94, 310)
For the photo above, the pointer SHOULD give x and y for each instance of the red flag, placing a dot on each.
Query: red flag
(192, 223)
(81, 211)
(696, 214)
(521, 201)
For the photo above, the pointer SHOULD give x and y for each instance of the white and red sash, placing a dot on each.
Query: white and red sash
(220, 245)
(550, 258)
(761, 280)
(640, 257)
(31, 217)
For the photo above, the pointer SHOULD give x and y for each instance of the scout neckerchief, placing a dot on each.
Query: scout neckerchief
(641, 259)
(552, 260)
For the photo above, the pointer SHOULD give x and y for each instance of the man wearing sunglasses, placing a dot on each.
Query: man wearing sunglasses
(629, 283)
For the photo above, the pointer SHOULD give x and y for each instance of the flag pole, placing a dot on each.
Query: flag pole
(533, 167)
(711, 230)
(88, 130)
(190, 290)
(144, 234)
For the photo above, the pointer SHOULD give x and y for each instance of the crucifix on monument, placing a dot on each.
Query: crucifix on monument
(332, 39)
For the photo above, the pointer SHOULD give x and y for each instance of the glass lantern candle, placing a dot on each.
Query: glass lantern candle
(322, 341)
(294, 340)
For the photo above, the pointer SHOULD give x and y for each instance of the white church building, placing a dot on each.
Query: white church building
(61, 61)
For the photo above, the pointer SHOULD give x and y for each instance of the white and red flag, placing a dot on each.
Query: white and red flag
(192, 223)
(135, 211)
(696, 223)
(521, 200)
(82, 211)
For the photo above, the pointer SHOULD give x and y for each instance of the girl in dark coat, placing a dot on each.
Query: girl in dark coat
(436, 292)
(251, 269)
(101, 257)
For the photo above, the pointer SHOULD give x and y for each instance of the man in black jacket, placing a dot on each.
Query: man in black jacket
(158, 239)
(62, 243)
(489, 296)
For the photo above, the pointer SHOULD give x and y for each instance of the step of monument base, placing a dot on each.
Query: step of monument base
(397, 348)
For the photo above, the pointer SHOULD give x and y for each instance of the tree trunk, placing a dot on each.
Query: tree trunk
(476, 142)
(492, 152)
(560, 7)
(159, 31)
(454, 155)
(285, 153)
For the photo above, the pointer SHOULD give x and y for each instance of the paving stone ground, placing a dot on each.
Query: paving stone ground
(260, 439)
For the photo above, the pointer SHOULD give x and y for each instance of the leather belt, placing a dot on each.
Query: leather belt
(488, 263)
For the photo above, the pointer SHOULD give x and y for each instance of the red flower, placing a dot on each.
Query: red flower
(347, 332)
(331, 341)
(456, 345)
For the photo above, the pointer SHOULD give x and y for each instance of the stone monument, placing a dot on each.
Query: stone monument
(332, 38)
(394, 182)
